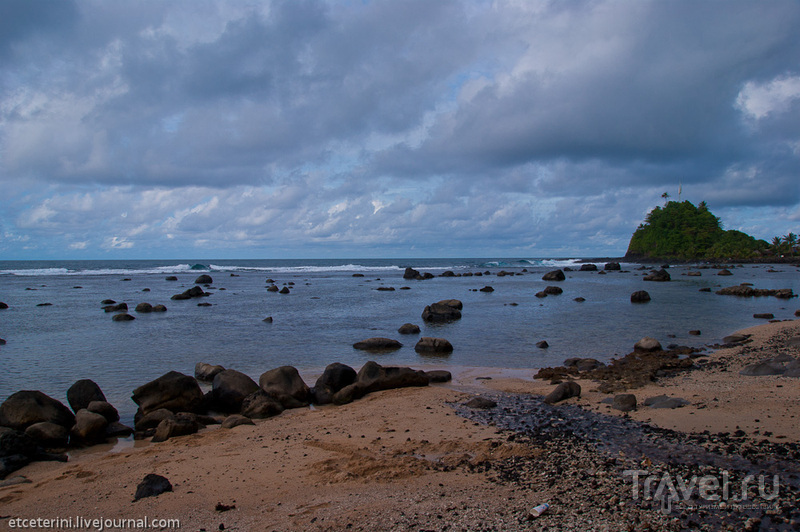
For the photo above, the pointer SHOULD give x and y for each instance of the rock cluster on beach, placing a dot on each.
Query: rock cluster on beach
(34, 426)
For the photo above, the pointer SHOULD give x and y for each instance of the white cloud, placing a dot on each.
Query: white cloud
(759, 100)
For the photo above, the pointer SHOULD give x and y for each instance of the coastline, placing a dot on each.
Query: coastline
(330, 467)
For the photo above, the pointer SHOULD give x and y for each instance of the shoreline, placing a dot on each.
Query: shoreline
(333, 466)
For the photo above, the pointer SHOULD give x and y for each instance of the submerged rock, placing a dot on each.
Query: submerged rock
(443, 311)
(378, 344)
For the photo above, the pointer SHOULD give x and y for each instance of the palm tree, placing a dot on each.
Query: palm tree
(776, 245)
(791, 241)
(665, 195)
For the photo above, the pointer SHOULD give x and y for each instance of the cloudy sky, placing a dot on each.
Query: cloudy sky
(404, 128)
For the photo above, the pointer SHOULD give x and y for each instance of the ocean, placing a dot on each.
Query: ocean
(49, 347)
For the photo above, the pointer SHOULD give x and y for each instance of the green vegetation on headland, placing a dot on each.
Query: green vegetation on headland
(683, 231)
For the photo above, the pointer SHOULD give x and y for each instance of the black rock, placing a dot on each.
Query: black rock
(152, 486)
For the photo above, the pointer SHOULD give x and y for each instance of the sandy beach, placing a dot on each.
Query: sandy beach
(406, 460)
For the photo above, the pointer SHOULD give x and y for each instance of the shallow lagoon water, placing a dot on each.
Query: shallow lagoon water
(50, 347)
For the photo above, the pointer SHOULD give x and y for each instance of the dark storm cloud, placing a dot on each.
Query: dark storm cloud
(447, 124)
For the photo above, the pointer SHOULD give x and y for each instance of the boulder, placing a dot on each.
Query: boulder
(83, 392)
(259, 405)
(171, 428)
(89, 428)
(3, 306)
(48, 434)
(563, 391)
(285, 385)
(588, 267)
(206, 372)
(443, 311)
(229, 389)
(487, 289)
(736, 338)
(192, 292)
(765, 367)
(24, 408)
(481, 403)
(553, 290)
(541, 294)
(373, 377)
(640, 296)
(624, 402)
(542, 344)
(174, 391)
(115, 429)
(16, 450)
(159, 308)
(272, 288)
(612, 266)
(119, 307)
(764, 316)
(378, 344)
(555, 275)
(583, 364)
(658, 276)
(123, 317)
(152, 419)
(144, 308)
(335, 377)
(429, 345)
(204, 279)
(411, 273)
(724, 273)
(105, 409)
(170, 278)
(647, 345)
(663, 401)
(744, 290)
(152, 486)
(235, 420)
(793, 369)
(284, 290)
(408, 328)
(438, 375)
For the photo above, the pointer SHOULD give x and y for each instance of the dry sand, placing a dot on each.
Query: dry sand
(394, 460)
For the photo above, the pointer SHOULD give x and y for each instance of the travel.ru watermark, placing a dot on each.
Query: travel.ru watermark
(721, 488)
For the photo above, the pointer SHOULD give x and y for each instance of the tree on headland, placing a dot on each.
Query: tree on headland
(682, 231)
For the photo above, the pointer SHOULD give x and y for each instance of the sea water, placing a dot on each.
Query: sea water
(328, 309)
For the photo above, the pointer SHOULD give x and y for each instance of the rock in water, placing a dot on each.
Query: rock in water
(82, 393)
(204, 279)
(24, 408)
(408, 328)
(640, 296)
(443, 311)
(174, 391)
(647, 345)
(152, 486)
(429, 345)
(89, 428)
(378, 344)
(555, 275)
(658, 276)
(206, 372)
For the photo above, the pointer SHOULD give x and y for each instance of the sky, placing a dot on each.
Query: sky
(405, 128)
